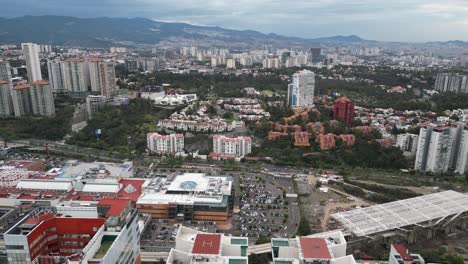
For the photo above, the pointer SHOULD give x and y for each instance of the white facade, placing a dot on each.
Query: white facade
(107, 80)
(271, 63)
(94, 104)
(439, 149)
(232, 147)
(42, 99)
(6, 103)
(399, 253)
(160, 144)
(328, 247)
(31, 56)
(56, 76)
(462, 161)
(74, 74)
(407, 142)
(301, 90)
(231, 64)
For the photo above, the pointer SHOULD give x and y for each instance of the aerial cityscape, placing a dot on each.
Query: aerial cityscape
(201, 138)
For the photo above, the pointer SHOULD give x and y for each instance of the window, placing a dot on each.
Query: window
(15, 247)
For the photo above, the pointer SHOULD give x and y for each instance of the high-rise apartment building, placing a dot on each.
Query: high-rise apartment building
(33, 64)
(94, 75)
(301, 90)
(462, 159)
(45, 48)
(21, 97)
(56, 80)
(165, 144)
(42, 99)
(107, 80)
(5, 70)
(315, 55)
(36, 99)
(272, 63)
(438, 148)
(225, 147)
(131, 65)
(450, 82)
(407, 143)
(231, 63)
(6, 104)
(344, 109)
(246, 61)
(75, 75)
(78, 76)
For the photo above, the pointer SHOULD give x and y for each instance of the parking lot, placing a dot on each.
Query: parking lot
(264, 209)
(160, 235)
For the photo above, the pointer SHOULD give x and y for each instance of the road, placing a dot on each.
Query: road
(63, 148)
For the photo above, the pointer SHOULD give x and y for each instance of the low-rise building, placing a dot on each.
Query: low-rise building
(326, 142)
(301, 139)
(226, 147)
(165, 144)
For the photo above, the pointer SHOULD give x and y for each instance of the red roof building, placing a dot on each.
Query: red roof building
(207, 244)
(301, 139)
(348, 139)
(314, 248)
(326, 142)
(344, 109)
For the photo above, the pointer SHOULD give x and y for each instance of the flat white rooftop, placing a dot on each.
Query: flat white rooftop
(389, 216)
(74, 169)
(188, 188)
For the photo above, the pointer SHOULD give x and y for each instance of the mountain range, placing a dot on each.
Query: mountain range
(104, 31)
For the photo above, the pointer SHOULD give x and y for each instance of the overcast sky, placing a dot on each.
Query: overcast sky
(392, 20)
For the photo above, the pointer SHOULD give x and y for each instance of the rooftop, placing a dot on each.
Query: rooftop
(374, 219)
(188, 188)
(117, 206)
(20, 87)
(314, 248)
(40, 83)
(403, 251)
(207, 244)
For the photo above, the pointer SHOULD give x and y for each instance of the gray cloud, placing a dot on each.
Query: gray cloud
(397, 20)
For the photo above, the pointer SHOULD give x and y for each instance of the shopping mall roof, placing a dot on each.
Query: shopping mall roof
(55, 185)
(389, 216)
(95, 187)
(188, 188)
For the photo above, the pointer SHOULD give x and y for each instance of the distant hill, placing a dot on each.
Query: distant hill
(104, 32)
